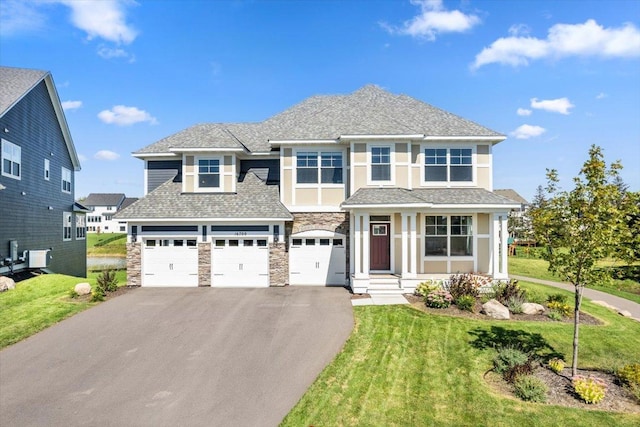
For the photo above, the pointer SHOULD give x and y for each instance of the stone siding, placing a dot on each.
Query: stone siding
(278, 264)
(134, 264)
(204, 264)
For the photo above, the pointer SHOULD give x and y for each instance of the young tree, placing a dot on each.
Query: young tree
(581, 227)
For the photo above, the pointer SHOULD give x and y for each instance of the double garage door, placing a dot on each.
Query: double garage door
(317, 259)
(234, 262)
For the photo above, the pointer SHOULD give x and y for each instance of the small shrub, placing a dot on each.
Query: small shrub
(556, 365)
(466, 302)
(73, 294)
(630, 374)
(438, 299)
(97, 295)
(591, 390)
(530, 388)
(107, 282)
(561, 298)
(465, 284)
(514, 304)
(509, 357)
(565, 310)
(554, 315)
(424, 288)
(507, 290)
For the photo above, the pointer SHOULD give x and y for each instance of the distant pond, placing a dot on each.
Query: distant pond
(106, 262)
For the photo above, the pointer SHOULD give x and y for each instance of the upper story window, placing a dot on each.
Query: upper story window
(448, 235)
(66, 180)
(380, 163)
(47, 169)
(448, 165)
(325, 166)
(209, 173)
(11, 160)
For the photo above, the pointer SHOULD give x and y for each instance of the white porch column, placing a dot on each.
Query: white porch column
(405, 248)
(495, 246)
(413, 244)
(365, 245)
(504, 245)
(357, 246)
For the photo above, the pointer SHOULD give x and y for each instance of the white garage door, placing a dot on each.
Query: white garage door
(242, 263)
(170, 262)
(317, 260)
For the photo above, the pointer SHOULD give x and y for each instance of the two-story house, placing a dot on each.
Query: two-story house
(373, 190)
(103, 207)
(40, 224)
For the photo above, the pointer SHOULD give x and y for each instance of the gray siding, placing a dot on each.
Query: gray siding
(160, 171)
(24, 204)
(273, 165)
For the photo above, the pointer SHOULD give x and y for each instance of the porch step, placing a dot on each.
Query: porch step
(390, 286)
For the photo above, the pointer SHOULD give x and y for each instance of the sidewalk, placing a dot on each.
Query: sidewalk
(619, 304)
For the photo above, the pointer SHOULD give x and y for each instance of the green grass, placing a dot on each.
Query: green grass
(403, 367)
(537, 268)
(40, 302)
(115, 244)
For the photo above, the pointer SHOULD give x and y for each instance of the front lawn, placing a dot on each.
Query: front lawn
(404, 367)
(538, 269)
(40, 302)
(106, 244)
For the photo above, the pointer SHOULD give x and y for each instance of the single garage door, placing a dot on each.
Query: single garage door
(317, 260)
(242, 263)
(170, 262)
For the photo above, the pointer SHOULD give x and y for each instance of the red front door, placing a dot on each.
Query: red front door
(380, 248)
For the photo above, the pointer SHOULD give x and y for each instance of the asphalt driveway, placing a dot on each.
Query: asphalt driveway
(176, 357)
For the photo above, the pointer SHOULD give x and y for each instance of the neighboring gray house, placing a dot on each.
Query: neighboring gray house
(103, 207)
(519, 222)
(371, 189)
(40, 224)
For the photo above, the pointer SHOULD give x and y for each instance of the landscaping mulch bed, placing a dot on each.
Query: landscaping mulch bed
(452, 310)
(617, 398)
(87, 298)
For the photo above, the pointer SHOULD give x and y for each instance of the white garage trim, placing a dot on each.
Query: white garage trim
(171, 262)
(317, 257)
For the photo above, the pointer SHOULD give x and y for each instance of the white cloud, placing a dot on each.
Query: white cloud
(601, 95)
(528, 131)
(563, 40)
(106, 155)
(122, 115)
(523, 112)
(18, 16)
(433, 20)
(104, 19)
(560, 105)
(519, 30)
(71, 105)
(110, 53)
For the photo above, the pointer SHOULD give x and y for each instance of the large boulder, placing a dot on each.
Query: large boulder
(495, 310)
(6, 284)
(82, 289)
(532, 308)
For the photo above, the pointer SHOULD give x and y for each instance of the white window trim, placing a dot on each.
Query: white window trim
(474, 237)
(68, 174)
(13, 146)
(67, 216)
(196, 172)
(392, 162)
(83, 225)
(47, 170)
(474, 166)
(319, 151)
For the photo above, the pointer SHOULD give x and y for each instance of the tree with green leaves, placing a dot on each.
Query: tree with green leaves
(581, 227)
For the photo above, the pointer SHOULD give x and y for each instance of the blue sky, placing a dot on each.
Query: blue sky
(554, 76)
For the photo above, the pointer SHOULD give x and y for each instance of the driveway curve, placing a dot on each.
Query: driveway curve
(176, 357)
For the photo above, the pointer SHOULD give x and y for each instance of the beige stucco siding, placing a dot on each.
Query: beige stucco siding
(285, 187)
(359, 177)
(332, 196)
(484, 178)
(484, 250)
(287, 157)
(402, 176)
(188, 183)
(359, 153)
(228, 183)
(306, 196)
(435, 266)
(461, 267)
(189, 164)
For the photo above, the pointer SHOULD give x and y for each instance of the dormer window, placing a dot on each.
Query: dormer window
(209, 173)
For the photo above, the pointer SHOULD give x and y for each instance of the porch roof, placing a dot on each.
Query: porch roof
(426, 197)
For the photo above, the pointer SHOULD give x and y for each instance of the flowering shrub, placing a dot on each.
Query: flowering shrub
(590, 389)
(438, 299)
(466, 284)
(556, 365)
(562, 308)
(630, 374)
(508, 290)
(425, 287)
(466, 302)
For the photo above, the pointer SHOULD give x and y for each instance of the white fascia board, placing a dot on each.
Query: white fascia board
(199, 220)
(315, 208)
(389, 206)
(448, 207)
(381, 137)
(155, 156)
(206, 150)
(494, 139)
(277, 143)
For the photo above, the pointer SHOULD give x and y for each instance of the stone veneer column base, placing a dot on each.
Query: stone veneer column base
(204, 264)
(278, 264)
(134, 264)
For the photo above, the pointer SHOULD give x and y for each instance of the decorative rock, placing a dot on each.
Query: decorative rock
(82, 289)
(532, 308)
(6, 284)
(495, 310)
(624, 313)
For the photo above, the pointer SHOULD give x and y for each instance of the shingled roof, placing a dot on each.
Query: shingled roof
(370, 110)
(16, 82)
(104, 199)
(511, 194)
(426, 196)
(254, 199)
